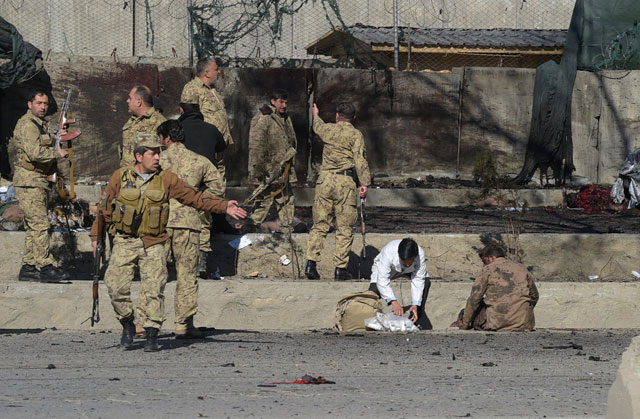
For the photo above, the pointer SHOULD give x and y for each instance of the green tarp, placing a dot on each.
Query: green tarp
(25, 59)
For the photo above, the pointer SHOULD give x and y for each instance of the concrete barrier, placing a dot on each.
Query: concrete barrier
(306, 305)
(624, 395)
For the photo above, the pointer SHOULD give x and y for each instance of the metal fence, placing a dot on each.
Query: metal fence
(287, 29)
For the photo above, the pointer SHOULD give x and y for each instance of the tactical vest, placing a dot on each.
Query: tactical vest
(140, 212)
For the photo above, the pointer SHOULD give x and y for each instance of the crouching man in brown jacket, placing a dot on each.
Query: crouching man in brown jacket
(136, 208)
(502, 297)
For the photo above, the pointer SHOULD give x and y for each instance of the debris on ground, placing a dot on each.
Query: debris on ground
(571, 345)
(241, 242)
(592, 199)
(307, 379)
(284, 260)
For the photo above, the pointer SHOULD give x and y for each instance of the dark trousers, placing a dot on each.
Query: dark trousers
(423, 321)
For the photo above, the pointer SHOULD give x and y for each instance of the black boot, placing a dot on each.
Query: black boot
(151, 345)
(192, 332)
(342, 274)
(128, 330)
(310, 270)
(29, 273)
(50, 273)
(202, 266)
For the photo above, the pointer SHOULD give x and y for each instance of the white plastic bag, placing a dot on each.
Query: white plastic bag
(391, 323)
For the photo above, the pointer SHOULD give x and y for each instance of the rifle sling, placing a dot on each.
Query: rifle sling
(278, 191)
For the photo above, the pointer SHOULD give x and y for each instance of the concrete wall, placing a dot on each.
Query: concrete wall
(413, 123)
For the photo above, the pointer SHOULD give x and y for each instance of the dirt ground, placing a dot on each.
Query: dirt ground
(426, 220)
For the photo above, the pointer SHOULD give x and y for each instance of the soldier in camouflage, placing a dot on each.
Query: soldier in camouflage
(206, 140)
(135, 204)
(201, 91)
(343, 160)
(272, 148)
(144, 120)
(35, 159)
(502, 297)
(184, 221)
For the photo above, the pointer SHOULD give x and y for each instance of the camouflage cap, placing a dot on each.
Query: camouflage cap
(148, 140)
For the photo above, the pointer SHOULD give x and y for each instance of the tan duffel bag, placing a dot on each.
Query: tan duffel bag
(353, 309)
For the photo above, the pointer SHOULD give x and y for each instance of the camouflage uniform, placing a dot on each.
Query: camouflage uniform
(148, 250)
(336, 194)
(145, 124)
(35, 159)
(211, 105)
(214, 112)
(509, 294)
(184, 226)
(271, 137)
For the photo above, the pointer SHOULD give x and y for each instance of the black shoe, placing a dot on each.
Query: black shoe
(202, 266)
(310, 270)
(151, 345)
(29, 273)
(128, 331)
(50, 273)
(342, 274)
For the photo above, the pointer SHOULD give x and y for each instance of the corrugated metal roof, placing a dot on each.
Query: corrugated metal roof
(437, 37)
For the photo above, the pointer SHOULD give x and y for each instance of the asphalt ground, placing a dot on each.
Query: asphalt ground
(546, 373)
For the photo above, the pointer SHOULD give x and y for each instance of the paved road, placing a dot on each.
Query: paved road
(53, 374)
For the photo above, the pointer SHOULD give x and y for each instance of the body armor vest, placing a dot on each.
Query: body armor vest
(140, 212)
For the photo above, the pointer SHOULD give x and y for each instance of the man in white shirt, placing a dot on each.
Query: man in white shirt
(398, 258)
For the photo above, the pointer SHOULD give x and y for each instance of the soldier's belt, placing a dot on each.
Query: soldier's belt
(348, 172)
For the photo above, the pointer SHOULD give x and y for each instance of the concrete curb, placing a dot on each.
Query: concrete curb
(306, 305)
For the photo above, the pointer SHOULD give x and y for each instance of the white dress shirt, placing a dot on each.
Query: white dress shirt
(387, 266)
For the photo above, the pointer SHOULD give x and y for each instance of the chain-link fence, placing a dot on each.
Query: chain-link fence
(432, 34)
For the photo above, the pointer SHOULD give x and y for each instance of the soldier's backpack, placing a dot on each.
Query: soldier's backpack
(354, 308)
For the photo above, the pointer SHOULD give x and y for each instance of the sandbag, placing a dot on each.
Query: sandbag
(354, 308)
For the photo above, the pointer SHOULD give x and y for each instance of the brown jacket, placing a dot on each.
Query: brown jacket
(174, 188)
(507, 289)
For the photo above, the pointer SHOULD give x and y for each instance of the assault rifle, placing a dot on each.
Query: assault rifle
(95, 312)
(63, 123)
(283, 168)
